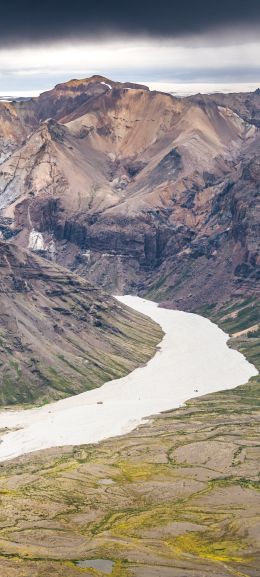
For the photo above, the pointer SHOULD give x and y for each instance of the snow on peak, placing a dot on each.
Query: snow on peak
(105, 84)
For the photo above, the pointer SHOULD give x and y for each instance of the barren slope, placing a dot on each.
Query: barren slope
(60, 336)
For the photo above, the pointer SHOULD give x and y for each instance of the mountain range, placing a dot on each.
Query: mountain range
(136, 190)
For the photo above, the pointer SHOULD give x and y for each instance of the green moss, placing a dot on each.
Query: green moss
(232, 481)
(206, 546)
(135, 472)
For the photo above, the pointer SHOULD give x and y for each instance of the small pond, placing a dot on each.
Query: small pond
(104, 565)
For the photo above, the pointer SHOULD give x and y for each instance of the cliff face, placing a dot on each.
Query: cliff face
(60, 336)
(137, 190)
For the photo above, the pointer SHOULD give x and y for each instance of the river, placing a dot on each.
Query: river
(192, 359)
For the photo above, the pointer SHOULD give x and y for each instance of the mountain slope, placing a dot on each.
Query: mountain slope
(60, 336)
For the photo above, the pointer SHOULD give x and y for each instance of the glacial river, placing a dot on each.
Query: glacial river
(192, 359)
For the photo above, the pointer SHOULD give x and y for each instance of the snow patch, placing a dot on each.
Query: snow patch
(36, 241)
(105, 84)
(87, 255)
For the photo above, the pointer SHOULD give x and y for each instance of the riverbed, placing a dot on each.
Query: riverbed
(192, 359)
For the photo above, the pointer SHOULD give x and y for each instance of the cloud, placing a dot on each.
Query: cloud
(24, 21)
(142, 60)
(115, 55)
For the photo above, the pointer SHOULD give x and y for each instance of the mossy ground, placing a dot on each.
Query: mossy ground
(178, 497)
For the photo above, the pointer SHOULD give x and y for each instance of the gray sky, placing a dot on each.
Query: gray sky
(190, 59)
(194, 41)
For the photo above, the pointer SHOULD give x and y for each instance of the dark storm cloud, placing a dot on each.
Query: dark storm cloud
(23, 21)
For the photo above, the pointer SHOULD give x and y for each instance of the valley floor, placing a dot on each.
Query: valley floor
(193, 359)
(178, 497)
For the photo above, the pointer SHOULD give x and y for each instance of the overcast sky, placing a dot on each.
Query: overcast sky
(163, 41)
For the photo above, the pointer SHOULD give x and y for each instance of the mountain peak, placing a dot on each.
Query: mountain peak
(81, 84)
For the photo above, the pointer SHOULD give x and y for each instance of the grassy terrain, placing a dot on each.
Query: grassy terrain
(179, 497)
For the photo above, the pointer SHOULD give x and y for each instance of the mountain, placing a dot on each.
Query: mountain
(60, 336)
(138, 191)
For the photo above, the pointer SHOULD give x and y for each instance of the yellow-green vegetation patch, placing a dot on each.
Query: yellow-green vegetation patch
(135, 472)
(207, 546)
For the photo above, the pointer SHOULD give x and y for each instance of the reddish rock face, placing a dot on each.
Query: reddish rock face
(137, 190)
